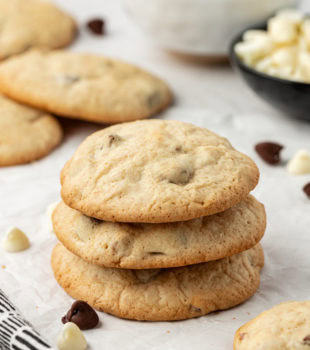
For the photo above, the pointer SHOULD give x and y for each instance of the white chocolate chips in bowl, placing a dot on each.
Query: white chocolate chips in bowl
(283, 50)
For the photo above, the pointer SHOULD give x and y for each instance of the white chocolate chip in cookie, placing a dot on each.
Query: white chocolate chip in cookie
(15, 240)
(49, 212)
(300, 163)
(71, 338)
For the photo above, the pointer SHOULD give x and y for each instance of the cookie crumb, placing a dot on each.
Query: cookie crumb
(168, 332)
(269, 152)
(96, 26)
(3, 267)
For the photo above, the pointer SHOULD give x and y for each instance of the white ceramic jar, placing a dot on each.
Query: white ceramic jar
(199, 27)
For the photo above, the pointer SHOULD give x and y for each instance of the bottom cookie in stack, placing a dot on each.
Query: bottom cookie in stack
(161, 294)
(137, 271)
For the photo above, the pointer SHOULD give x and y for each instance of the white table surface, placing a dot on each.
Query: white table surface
(213, 97)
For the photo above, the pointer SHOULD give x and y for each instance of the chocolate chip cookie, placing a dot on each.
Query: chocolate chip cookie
(144, 246)
(285, 326)
(33, 23)
(156, 171)
(83, 86)
(160, 294)
(26, 134)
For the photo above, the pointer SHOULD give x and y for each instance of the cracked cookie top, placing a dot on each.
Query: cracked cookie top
(83, 86)
(33, 23)
(144, 246)
(26, 134)
(156, 171)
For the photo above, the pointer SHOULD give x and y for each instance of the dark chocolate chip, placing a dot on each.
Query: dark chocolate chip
(83, 315)
(306, 189)
(195, 308)
(113, 139)
(241, 336)
(269, 152)
(96, 26)
(306, 340)
(153, 100)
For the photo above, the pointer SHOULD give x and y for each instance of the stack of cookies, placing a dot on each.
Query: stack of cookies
(157, 222)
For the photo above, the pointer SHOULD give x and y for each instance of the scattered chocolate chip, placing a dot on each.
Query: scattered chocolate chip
(96, 26)
(241, 336)
(306, 189)
(306, 340)
(83, 315)
(269, 152)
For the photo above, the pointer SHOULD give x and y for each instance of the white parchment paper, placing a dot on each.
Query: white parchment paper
(207, 96)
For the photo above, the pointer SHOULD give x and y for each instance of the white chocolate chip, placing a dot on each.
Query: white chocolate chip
(254, 34)
(15, 240)
(304, 65)
(300, 163)
(292, 14)
(283, 72)
(49, 212)
(250, 51)
(264, 65)
(71, 338)
(282, 30)
(284, 56)
(305, 28)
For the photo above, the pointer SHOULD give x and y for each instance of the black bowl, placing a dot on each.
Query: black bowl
(290, 97)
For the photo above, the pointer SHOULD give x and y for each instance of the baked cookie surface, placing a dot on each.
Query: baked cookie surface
(33, 23)
(83, 86)
(144, 246)
(26, 134)
(156, 171)
(284, 327)
(160, 294)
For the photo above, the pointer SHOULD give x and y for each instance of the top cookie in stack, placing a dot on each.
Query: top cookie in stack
(156, 171)
(185, 240)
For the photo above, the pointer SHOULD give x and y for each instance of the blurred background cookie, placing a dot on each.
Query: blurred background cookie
(26, 134)
(83, 86)
(33, 23)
